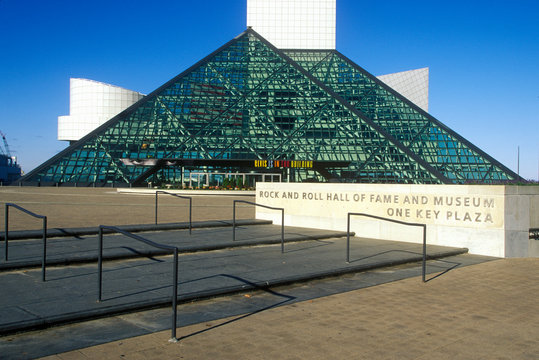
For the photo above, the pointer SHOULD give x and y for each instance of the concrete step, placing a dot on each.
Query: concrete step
(206, 236)
(70, 293)
(83, 231)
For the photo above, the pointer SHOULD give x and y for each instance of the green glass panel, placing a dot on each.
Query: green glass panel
(419, 132)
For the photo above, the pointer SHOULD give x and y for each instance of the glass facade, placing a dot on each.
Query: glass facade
(447, 152)
(250, 101)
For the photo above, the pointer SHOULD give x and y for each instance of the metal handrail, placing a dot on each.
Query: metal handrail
(534, 233)
(173, 249)
(6, 234)
(424, 226)
(179, 196)
(264, 206)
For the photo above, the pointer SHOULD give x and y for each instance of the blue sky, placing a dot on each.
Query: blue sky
(483, 58)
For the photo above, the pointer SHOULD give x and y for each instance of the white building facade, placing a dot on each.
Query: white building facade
(412, 84)
(294, 24)
(92, 103)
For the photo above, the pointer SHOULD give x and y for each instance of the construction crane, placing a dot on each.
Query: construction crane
(9, 169)
(6, 147)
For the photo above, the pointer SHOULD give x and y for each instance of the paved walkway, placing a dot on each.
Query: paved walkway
(484, 311)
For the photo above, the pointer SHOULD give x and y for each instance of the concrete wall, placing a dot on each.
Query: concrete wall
(488, 220)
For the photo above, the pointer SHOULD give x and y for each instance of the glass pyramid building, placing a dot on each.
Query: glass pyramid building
(248, 106)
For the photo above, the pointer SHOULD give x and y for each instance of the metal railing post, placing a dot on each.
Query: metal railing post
(348, 238)
(282, 231)
(156, 194)
(100, 264)
(6, 237)
(175, 295)
(6, 233)
(181, 197)
(233, 222)
(190, 215)
(44, 260)
(424, 251)
(255, 204)
(172, 249)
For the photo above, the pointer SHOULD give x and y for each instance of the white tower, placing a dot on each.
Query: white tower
(92, 103)
(294, 24)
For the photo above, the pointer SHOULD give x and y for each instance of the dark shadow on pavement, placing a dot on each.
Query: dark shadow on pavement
(104, 270)
(386, 252)
(288, 298)
(320, 243)
(68, 233)
(137, 293)
(141, 254)
(455, 264)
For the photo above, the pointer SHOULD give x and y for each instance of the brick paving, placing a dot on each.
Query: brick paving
(484, 311)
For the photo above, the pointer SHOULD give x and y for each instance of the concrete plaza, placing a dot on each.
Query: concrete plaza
(487, 310)
(85, 207)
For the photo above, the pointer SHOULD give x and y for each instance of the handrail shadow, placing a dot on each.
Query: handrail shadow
(108, 271)
(455, 264)
(288, 298)
(319, 243)
(384, 252)
(67, 233)
(415, 253)
(69, 256)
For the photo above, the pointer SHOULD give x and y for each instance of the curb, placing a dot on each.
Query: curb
(200, 192)
(67, 232)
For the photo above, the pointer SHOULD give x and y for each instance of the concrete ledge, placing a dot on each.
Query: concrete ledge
(143, 191)
(118, 253)
(73, 232)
